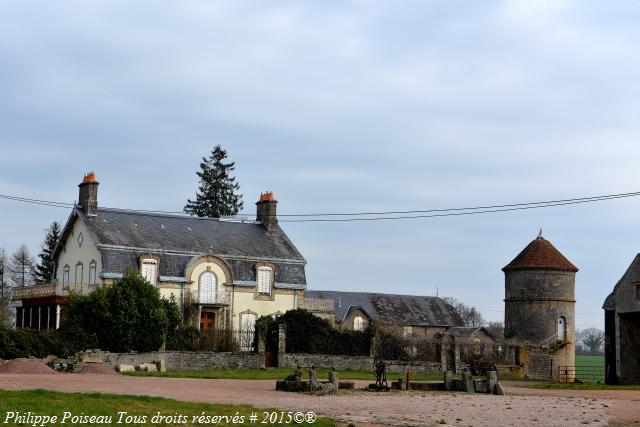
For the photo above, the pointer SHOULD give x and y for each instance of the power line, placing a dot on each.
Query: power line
(427, 213)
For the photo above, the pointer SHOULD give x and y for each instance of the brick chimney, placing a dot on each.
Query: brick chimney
(266, 212)
(88, 195)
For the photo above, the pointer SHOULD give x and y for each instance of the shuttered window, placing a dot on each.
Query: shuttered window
(265, 275)
(150, 270)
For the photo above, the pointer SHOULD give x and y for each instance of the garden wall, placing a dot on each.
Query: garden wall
(181, 360)
(353, 362)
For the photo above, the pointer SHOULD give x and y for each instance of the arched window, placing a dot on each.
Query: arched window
(358, 323)
(265, 277)
(65, 275)
(92, 273)
(79, 272)
(562, 328)
(208, 287)
(149, 270)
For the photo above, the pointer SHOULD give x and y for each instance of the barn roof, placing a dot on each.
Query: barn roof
(409, 310)
(540, 254)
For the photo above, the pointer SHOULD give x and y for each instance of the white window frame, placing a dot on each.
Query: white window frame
(358, 323)
(65, 275)
(209, 292)
(264, 279)
(93, 267)
(79, 266)
(145, 266)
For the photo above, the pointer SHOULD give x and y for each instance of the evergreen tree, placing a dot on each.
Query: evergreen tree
(21, 268)
(217, 192)
(3, 269)
(44, 270)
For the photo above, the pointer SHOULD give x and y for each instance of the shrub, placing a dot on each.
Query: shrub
(25, 343)
(128, 315)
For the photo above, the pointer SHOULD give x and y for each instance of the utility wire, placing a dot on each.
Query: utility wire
(428, 213)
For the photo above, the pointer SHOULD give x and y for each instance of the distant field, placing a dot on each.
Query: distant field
(590, 368)
(590, 361)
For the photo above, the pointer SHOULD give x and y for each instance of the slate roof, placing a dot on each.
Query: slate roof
(123, 236)
(409, 310)
(540, 254)
(632, 274)
(467, 331)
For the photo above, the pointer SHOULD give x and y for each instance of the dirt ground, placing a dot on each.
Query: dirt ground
(521, 407)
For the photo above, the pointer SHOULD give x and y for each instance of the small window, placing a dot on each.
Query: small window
(65, 275)
(92, 273)
(358, 323)
(265, 275)
(562, 328)
(407, 331)
(637, 291)
(79, 272)
(149, 270)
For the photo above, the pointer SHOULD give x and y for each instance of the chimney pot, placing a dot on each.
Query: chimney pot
(266, 210)
(88, 193)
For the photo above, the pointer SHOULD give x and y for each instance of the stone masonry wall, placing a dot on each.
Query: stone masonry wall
(353, 362)
(183, 360)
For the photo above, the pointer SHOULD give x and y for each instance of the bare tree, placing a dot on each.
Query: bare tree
(497, 329)
(22, 267)
(469, 315)
(592, 339)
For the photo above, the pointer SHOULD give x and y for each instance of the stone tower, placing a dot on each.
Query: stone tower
(540, 301)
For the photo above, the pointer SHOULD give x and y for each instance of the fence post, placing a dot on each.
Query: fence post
(443, 355)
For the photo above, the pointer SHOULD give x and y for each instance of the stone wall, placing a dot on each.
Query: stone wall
(182, 360)
(353, 362)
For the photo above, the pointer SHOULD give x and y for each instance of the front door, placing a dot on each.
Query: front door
(207, 320)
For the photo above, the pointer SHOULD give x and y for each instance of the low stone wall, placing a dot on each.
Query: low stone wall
(182, 360)
(352, 362)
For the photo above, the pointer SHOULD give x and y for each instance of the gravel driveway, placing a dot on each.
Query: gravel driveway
(522, 407)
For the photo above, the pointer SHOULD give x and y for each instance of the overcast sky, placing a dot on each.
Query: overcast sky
(341, 106)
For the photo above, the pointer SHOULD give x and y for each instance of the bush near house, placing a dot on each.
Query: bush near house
(310, 334)
(25, 342)
(128, 315)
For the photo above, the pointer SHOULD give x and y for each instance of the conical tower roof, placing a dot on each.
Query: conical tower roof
(540, 254)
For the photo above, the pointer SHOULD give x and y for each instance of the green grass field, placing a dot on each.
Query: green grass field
(590, 361)
(49, 403)
(277, 374)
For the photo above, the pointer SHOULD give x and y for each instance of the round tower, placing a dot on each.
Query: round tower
(540, 300)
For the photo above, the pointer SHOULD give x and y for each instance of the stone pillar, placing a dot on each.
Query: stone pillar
(448, 380)
(456, 358)
(39, 316)
(48, 317)
(261, 347)
(492, 381)
(333, 378)
(313, 379)
(282, 344)
(443, 356)
(467, 381)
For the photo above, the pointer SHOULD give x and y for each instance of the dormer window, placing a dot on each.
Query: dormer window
(149, 269)
(265, 278)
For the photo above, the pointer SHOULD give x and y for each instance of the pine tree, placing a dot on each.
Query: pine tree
(217, 192)
(3, 269)
(44, 270)
(21, 268)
